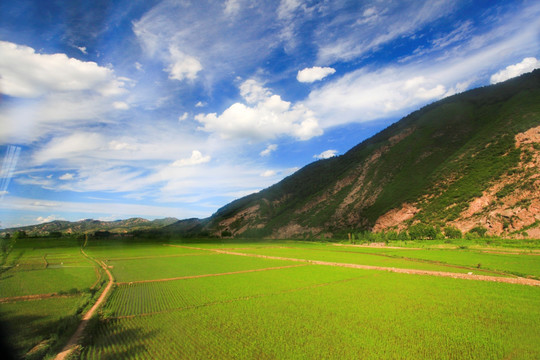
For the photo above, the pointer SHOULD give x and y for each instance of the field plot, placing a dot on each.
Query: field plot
(351, 257)
(28, 323)
(372, 315)
(112, 251)
(171, 267)
(46, 281)
(519, 264)
(152, 297)
(31, 270)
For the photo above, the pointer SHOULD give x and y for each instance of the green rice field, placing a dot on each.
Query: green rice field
(198, 300)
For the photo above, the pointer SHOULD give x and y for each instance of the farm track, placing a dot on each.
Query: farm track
(76, 337)
(518, 280)
(209, 275)
(33, 297)
(154, 256)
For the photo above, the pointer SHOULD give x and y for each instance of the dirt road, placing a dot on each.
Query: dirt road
(76, 337)
(517, 280)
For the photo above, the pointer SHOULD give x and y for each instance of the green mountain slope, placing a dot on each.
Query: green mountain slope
(427, 168)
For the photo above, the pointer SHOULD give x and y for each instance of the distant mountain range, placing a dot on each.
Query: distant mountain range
(90, 226)
(469, 162)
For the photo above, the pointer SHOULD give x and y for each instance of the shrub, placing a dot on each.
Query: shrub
(423, 231)
(452, 232)
(479, 230)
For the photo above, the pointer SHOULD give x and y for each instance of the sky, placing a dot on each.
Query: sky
(141, 108)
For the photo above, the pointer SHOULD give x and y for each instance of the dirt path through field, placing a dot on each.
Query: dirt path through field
(74, 340)
(209, 275)
(521, 281)
(33, 297)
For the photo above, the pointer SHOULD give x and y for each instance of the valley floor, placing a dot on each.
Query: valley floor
(277, 300)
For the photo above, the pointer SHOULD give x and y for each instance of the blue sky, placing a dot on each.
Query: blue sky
(116, 109)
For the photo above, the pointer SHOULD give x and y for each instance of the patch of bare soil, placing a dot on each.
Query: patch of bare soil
(396, 217)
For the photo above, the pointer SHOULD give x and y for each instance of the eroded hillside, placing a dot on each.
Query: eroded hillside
(470, 160)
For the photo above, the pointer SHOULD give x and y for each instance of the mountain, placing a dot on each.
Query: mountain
(468, 162)
(91, 226)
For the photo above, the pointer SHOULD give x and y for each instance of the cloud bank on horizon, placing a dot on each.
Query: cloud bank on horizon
(167, 108)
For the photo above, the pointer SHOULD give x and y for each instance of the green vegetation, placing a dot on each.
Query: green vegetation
(277, 309)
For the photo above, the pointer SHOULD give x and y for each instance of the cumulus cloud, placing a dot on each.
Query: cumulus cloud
(269, 149)
(527, 65)
(326, 154)
(309, 75)
(26, 73)
(268, 117)
(182, 66)
(195, 159)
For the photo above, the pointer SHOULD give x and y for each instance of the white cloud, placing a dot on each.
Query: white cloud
(138, 66)
(183, 117)
(41, 219)
(268, 173)
(195, 159)
(121, 145)
(268, 118)
(363, 35)
(82, 49)
(253, 91)
(200, 104)
(231, 7)
(97, 209)
(269, 149)
(182, 66)
(527, 65)
(309, 75)
(67, 176)
(120, 105)
(76, 144)
(287, 8)
(326, 154)
(26, 73)
(388, 92)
